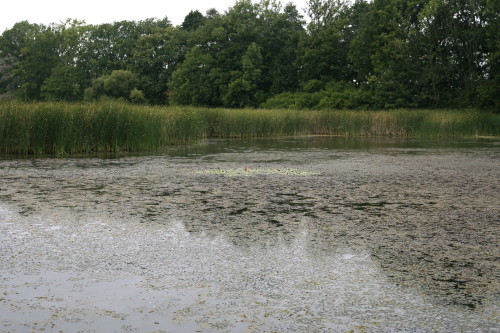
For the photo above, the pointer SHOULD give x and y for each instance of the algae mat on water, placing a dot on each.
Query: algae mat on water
(247, 172)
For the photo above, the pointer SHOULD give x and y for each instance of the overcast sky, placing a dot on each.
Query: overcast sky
(107, 11)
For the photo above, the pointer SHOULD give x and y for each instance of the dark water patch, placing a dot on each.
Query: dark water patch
(26, 210)
(98, 189)
(276, 223)
(202, 192)
(456, 283)
(298, 204)
(166, 193)
(365, 205)
(238, 211)
(213, 209)
(5, 197)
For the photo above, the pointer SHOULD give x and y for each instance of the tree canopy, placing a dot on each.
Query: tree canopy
(361, 55)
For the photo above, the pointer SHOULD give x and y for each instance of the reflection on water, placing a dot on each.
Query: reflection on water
(385, 236)
(388, 144)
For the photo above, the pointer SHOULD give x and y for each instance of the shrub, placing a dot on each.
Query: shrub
(137, 96)
(119, 85)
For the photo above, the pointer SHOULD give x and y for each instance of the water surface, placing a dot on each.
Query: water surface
(294, 234)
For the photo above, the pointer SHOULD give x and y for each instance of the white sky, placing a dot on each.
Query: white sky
(107, 11)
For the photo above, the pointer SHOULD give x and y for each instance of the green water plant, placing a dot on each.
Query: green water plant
(118, 126)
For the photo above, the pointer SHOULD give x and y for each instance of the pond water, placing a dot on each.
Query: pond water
(303, 234)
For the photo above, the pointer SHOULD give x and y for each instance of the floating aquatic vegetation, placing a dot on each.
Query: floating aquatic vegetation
(246, 171)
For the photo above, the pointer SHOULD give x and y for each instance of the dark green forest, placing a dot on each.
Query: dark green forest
(378, 54)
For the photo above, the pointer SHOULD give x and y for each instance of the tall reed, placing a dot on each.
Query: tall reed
(110, 126)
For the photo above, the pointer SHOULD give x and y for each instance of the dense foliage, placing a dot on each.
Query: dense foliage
(358, 55)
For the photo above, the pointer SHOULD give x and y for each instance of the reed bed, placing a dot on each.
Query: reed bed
(109, 126)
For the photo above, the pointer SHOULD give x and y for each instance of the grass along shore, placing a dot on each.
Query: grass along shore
(71, 128)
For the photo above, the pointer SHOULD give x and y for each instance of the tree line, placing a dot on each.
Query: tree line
(357, 55)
